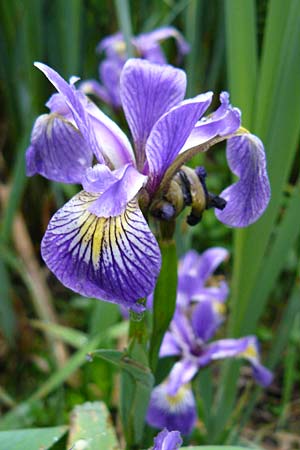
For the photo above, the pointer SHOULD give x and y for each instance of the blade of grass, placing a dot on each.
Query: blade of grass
(290, 370)
(193, 15)
(280, 133)
(285, 236)
(241, 47)
(280, 342)
(242, 75)
(123, 14)
(60, 376)
(7, 315)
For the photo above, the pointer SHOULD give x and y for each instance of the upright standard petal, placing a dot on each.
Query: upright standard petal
(147, 92)
(248, 198)
(261, 374)
(177, 412)
(115, 259)
(167, 440)
(170, 133)
(58, 150)
(205, 321)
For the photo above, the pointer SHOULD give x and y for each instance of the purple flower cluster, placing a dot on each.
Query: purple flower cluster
(146, 46)
(99, 243)
(198, 315)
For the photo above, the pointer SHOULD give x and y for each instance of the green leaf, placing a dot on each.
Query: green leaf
(123, 13)
(91, 425)
(31, 439)
(138, 371)
(218, 447)
(136, 385)
(68, 335)
(7, 315)
(61, 375)
(164, 299)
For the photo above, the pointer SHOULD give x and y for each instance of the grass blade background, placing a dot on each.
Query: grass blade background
(278, 126)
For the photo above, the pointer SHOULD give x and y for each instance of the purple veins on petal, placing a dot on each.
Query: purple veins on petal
(115, 259)
(58, 151)
(147, 92)
(249, 196)
(174, 412)
(117, 188)
(75, 100)
(170, 132)
(225, 120)
(167, 440)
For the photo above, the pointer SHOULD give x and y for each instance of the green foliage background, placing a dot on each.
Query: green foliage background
(253, 50)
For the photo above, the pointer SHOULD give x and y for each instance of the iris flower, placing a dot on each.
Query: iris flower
(99, 243)
(167, 440)
(194, 324)
(146, 46)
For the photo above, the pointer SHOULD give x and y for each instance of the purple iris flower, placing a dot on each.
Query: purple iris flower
(167, 440)
(194, 324)
(174, 412)
(99, 243)
(195, 277)
(146, 46)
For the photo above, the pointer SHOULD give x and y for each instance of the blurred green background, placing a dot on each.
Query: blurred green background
(252, 49)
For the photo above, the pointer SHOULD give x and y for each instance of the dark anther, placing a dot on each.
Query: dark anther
(193, 220)
(201, 172)
(214, 201)
(186, 188)
(166, 212)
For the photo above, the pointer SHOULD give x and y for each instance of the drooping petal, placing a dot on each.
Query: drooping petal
(76, 102)
(167, 440)
(225, 120)
(182, 373)
(115, 259)
(177, 412)
(170, 133)
(147, 92)
(261, 374)
(205, 321)
(118, 192)
(169, 346)
(247, 198)
(58, 150)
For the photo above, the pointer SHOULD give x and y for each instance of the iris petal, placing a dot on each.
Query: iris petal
(147, 92)
(76, 101)
(58, 150)
(225, 120)
(170, 133)
(176, 412)
(167, 440)
(115, 259)
(248, 198)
